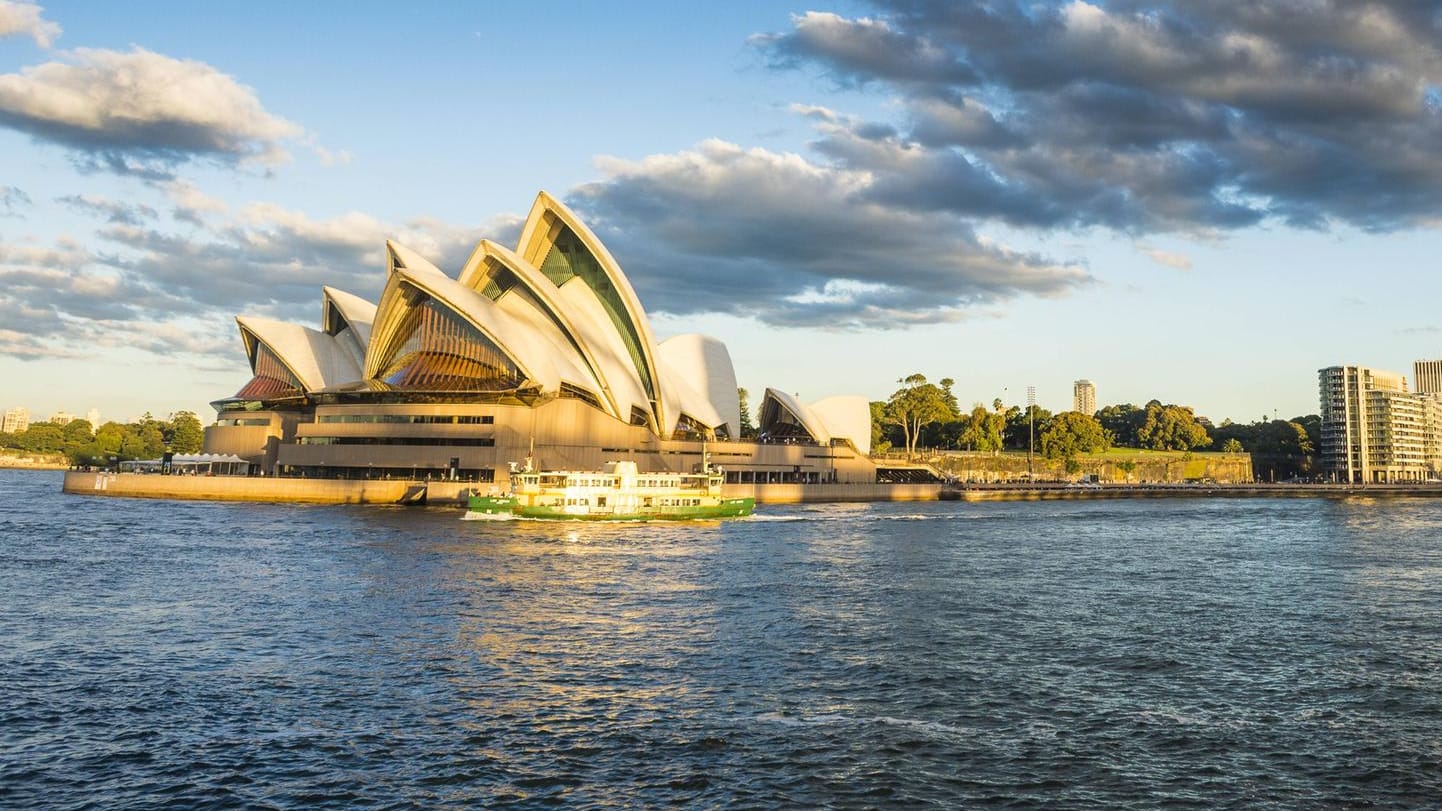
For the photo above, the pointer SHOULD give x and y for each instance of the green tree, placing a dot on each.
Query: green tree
(982, 429)
(880, 442)
(1232, 445)
(914, 406)
(1072, 433)
(1171, 428)
(747, 429)
(185, 434)
(949, 395)
(1022, 424)
(1124, 422)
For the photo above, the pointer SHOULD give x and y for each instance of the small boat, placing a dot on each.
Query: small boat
(618, 492)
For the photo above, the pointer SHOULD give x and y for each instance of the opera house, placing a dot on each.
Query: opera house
(544, 351)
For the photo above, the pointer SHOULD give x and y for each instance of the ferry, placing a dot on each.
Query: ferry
(618, 492)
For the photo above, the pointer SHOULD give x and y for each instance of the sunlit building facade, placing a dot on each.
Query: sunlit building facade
(15, 421)
(543, 351)
(1427, 374)
(1084, 397)
(1374, 430)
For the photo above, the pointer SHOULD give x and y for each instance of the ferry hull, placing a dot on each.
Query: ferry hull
(508, 505)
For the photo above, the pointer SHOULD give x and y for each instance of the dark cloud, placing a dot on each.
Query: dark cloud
(791, 242)
(862, 50)
(142, 113)
(1146, 116)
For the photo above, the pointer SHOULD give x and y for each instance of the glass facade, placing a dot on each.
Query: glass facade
(272, 381)
(435, 349)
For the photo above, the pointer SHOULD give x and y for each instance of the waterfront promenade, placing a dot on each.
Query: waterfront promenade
(397, 491)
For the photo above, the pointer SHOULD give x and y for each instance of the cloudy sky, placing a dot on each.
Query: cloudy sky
(1202, 203)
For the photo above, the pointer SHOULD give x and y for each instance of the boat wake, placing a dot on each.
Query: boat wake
(474, 516)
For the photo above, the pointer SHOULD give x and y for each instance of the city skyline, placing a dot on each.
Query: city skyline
(1213, 188)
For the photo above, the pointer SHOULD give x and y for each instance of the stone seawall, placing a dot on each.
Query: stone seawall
(392, 491)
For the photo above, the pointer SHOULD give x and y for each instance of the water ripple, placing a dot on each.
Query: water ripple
(1186, 654)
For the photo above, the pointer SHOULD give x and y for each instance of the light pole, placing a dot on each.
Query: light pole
(1030, 429)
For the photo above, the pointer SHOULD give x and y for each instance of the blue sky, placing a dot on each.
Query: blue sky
(1202, 207)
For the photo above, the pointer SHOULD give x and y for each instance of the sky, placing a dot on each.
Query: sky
(1197, 203)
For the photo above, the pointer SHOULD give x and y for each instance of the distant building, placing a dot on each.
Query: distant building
(61, 418)
(15, 421)
(1374, 430)
(1427, 374)
(93, 417)
(1084, 397)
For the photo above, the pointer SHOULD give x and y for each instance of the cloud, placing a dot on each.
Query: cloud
(142, 113)
(1167, 258)
(22, 18)
(110, 210)
(13, 201)
(793, 242)
(1144, 117)
(861, 50)
(147, 286)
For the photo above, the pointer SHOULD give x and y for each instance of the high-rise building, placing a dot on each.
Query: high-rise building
(61, 418)
(1374, 430)
(16, 420)
(93, 417)
(1084, 397)
(1427, 374)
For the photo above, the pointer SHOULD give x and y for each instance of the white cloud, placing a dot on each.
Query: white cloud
(22, 18)
(141, 112)
(1167, 258)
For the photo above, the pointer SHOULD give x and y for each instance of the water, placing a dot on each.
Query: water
(1119, 654)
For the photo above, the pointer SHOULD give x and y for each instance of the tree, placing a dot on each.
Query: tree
(746, 429)
(982, 429)
(946, 392)
(185, 434)
(1071, 433)
(1020, 426)
(1123, 421)
(914, 406)
(880, 443)
(1232, 445)
(1171, 428)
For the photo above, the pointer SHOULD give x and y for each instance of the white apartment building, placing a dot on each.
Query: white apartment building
(1376, 431)
(15, 421)
(1084, 397)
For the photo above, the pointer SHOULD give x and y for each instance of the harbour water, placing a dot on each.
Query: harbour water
(1111, 654)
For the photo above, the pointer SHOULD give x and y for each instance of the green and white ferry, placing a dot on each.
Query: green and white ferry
(618, 492)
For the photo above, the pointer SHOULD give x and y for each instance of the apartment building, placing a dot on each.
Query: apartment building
(1084, 397)
(1374, 430)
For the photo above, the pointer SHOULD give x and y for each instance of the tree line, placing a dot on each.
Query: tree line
(146, 438)
(925, 414)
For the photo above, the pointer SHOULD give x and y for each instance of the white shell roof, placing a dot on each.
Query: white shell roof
(551, 314)
(357, 313)
(316, 359)
(534, 237)
(698, 369)
(846, 417)
(812, 423)
(539, 361)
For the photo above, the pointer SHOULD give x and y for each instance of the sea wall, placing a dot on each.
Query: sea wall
(31, 460)
(393, 491)
(1121, 466)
